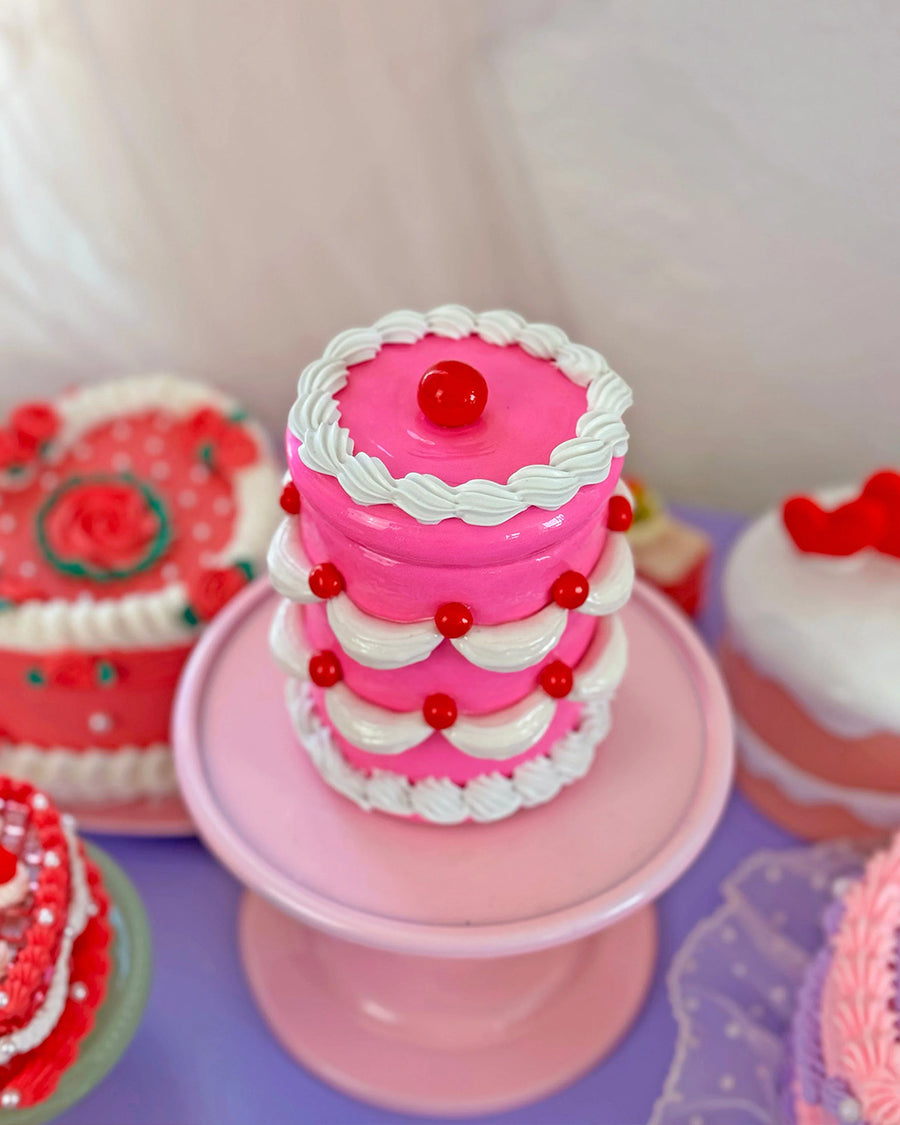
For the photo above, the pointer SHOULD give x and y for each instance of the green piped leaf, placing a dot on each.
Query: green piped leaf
(246, 567)
(190, 616)
(106, 673)
(35, 677)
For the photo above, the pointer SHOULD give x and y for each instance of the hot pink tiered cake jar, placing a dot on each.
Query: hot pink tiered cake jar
(452, 561)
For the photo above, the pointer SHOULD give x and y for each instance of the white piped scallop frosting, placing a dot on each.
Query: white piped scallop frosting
(327, 447)
(509, 647)
(827, 629)
(498, 736)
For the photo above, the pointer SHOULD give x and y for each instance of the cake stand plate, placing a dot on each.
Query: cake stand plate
(156, 816)
(464, 969)
(118, 1017)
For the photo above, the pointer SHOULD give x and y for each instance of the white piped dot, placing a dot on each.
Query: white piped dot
(120, 461)
(48, 481)
(849, 1111)
(201, 532)
(154, 445)
(39, 801)
(223, 506)
(78, 991)
(51, 859)
(45, 916)
(7, 523)
(9, 1099)
(27, 568)
(160, 470)
(187, 498)
(100, 722)
(199, 474)
(841, 886)
(169, 572)
(4, 999)
(93, 909)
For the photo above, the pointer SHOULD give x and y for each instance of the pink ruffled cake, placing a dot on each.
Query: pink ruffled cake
(846, 1030)
(812, 659)
(130, 512)
(452, 562)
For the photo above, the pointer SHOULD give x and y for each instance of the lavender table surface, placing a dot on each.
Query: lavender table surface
(203, 1055)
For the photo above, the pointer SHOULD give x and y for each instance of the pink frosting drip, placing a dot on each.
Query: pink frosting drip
(859, 1018)
(379, 408)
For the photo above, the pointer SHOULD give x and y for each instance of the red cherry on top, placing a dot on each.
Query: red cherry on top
(439, 711)
(325, 580)
(570, 590)
(453, 619)
(290, 499)
(620, 515)
(556, 679)
(8, 865)
(325, 669)
(452, 394)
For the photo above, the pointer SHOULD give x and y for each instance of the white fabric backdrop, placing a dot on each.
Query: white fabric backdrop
(706, 191)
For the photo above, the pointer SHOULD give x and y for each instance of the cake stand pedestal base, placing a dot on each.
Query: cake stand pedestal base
(463, 969)
(428, 1035)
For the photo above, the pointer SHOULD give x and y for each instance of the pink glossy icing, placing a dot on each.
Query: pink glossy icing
(446, 670)
(379, 408)
(437, 758)
(859, 1016)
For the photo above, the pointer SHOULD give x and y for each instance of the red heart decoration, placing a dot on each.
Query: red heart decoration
(847, 529)
(885, 488)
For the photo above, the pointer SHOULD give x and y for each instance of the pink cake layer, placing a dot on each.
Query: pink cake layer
(135, 709)
(475, 690)
(785, 726)
(379, 408)
(400, 570)
(437, 758)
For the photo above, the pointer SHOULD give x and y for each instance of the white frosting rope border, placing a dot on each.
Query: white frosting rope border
(510, 647)
(148, 620)
(497, 736)
(878, 809)
(327, 446)
(47, 1016)
(490, 797)
(93, 775)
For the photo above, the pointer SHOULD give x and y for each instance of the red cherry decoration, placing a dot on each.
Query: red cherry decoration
(439, 711)
(325, 669)
(8, 865)
(453, 619)
(452, 394)
(556, 679)
(570, 590)
(620, 515)
(847, 529)
(325, 580)
(290, 499)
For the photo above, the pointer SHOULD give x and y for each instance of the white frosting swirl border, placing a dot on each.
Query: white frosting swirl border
(93, 775)
(438, 800)
(144, 620)
(327, 446)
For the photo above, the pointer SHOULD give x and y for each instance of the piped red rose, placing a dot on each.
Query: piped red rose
(212, 589)
(869, 521)
(31, 427)
(219, 442)
(103, 527)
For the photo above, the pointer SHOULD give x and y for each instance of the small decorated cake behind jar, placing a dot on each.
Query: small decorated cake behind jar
(452, 562)
(812, 658)
(130, 512)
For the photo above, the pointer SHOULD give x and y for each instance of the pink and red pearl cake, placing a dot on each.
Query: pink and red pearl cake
(54, 944)
(130, 511)
(846, 1030)
(812, 659)
(452, 561)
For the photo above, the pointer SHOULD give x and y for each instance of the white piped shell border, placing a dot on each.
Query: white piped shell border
(327, 446)
(151, 620)
(93, 775)
(487, 798)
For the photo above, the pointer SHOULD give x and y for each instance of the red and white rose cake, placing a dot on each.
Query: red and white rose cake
(54, 944)
(452, 562)
(130, 512)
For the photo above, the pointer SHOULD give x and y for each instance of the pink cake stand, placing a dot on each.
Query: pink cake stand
(452, 970)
